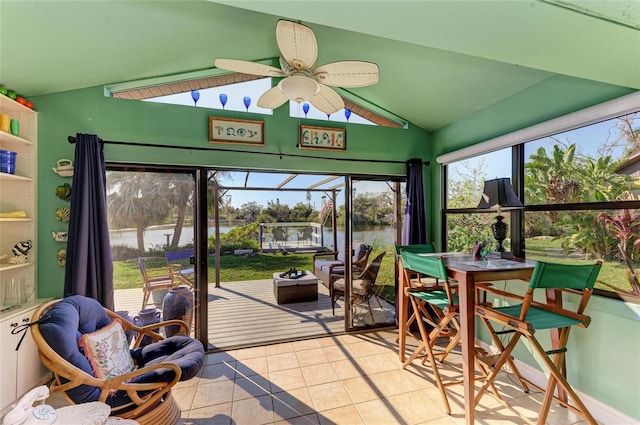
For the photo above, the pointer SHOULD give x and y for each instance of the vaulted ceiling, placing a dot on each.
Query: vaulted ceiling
(440, 61)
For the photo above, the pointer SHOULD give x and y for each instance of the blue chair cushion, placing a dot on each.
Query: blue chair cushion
(66, 321)
(183, 351)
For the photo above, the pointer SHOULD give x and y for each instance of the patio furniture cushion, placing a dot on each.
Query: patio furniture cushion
(360, 286)
(325, 265)
(359, 248)
(323, 268)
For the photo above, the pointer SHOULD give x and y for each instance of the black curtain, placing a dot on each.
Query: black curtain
(89, 268)
(414, 230)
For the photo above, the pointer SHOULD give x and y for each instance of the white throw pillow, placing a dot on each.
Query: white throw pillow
(107, 350)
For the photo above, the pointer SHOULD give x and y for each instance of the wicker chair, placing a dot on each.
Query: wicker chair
(143, 394)
(362, 286)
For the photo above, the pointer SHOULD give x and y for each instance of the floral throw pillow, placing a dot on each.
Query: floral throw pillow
(107, 350)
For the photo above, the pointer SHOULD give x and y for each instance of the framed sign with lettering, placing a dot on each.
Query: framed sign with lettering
(232, 130)
(312, 137)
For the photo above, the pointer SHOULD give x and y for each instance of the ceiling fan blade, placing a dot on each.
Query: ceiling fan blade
(348, 74)
(297, 44)
(327, 100)
(247, 67)
(272, 98)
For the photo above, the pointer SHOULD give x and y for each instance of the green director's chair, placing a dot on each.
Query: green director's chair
(529, 316)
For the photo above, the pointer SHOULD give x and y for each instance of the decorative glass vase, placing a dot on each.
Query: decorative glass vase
(145, 317)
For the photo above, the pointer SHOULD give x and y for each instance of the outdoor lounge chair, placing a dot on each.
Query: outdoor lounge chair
(306, 235)
(362, 288)
(180, 263)
(279, 235)
(156, 279)
(323, 268)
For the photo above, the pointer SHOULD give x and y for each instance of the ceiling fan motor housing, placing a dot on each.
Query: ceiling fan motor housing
(299, 87)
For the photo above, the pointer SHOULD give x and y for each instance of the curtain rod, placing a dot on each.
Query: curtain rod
(72, 139)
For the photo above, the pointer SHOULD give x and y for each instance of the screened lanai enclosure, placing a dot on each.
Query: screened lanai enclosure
(236, 239)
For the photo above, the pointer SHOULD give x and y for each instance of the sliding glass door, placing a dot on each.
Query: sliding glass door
(374, 212)
(151, 227)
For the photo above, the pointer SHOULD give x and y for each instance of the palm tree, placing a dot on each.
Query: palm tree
(137, 199)
(180, 195)
(563, 177)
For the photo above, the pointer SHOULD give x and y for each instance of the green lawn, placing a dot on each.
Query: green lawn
(262, 266)
(236, 268)
(612, 272)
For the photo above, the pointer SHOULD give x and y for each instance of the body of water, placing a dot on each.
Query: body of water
(153, 238)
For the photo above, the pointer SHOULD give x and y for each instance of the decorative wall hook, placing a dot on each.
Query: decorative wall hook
(61, 257)
(63, 214)
(60, 236)
(64, 168)
(64, 192)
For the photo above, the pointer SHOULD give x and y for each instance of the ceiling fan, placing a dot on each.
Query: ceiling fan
(302, 82)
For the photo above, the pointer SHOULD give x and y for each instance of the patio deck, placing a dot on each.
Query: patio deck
(244, 314)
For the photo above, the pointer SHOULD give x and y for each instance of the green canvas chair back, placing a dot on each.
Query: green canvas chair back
(428, 248)
(430, 266)
(570, 276)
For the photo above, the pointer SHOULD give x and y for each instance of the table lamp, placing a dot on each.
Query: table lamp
(498, 193)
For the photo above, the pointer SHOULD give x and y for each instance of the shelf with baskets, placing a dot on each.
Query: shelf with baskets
(18, 198)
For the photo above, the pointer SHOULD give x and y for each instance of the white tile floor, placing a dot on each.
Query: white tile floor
(347, 379)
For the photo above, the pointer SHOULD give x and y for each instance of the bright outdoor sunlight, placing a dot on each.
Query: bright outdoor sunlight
(243, 97)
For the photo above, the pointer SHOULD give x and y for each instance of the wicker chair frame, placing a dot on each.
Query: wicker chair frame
(151, 403)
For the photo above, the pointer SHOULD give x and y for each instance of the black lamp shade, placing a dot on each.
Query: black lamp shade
(498, 193)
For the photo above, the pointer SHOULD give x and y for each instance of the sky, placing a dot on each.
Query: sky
(210, 98)
(235, 93)
(240, 197)
(588, 139)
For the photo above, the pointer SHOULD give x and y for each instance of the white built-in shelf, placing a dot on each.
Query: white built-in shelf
(8, 137)
(8, 266)
(14, 177)
(14, 219)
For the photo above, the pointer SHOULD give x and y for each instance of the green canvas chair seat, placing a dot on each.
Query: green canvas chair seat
(539, 319)
(437, 298)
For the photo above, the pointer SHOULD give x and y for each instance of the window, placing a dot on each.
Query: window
(240, 92)
(581, 195)
(465, 181)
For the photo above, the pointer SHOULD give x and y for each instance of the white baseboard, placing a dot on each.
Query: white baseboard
(603, 413)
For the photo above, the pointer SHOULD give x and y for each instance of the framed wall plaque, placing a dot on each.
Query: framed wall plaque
(232, 130)
(312, 137)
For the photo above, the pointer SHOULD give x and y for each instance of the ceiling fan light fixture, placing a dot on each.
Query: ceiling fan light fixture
(299, 87)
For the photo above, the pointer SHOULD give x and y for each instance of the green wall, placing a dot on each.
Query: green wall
(602, 360)
(89, 111)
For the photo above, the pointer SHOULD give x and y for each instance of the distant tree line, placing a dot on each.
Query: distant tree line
(139, 199)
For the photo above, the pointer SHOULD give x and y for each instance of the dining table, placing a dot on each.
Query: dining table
(467, 270)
